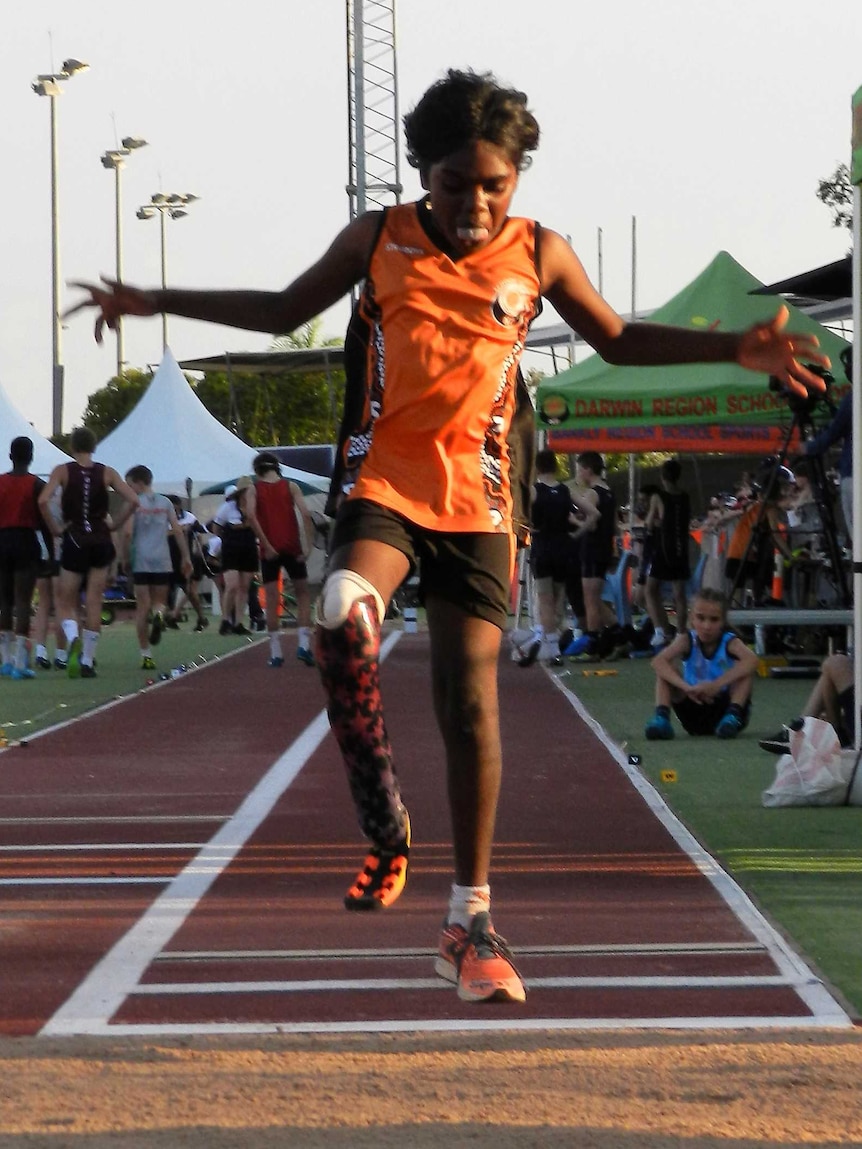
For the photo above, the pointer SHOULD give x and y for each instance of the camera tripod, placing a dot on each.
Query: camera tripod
(825, 502)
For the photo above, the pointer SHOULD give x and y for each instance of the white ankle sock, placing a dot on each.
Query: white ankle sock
(467, 901)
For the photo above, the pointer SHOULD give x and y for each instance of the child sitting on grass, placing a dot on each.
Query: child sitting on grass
(706, 675)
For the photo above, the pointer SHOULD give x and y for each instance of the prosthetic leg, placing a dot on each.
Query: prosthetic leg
(347, 647)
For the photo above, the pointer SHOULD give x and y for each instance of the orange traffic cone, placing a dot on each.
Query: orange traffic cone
(778, 577)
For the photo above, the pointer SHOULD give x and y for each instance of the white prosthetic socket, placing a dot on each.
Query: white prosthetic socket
(340, 591)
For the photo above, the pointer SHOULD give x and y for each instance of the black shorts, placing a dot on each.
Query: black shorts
(669, 568)
(471, 569)
(594, 567)
(19, 546)
(83, 553)
(553, 558)
(152, 578)
(847, 705)
(239, 550)
(701, 718)
(293, 566)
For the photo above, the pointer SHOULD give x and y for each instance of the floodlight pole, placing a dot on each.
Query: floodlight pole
(173, 205)
(115, 160)
(50, 85)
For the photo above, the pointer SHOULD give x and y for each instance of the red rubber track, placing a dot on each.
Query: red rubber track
(591, 889)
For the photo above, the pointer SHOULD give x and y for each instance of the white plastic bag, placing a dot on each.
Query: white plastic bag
(816, 772)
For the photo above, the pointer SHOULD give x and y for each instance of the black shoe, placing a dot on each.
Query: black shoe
(780, 743)
(201, 624)
(87, 671)
(171, 623)
(226, 627)
(156, 628)
(239, 629)
(530, 655)
(43, 662)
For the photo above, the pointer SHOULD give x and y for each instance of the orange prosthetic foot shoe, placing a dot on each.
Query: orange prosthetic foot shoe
(382, 878)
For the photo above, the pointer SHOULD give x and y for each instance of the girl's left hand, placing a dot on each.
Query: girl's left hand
(768, 348)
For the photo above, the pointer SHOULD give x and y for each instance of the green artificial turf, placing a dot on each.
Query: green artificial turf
(801, 865)
(31, 705)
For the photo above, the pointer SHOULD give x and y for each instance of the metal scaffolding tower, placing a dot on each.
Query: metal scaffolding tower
(372, 102)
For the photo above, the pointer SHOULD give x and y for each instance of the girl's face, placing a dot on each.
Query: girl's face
(470, 193)
(707, 621)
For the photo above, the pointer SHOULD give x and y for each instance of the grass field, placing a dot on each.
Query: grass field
(802, 866)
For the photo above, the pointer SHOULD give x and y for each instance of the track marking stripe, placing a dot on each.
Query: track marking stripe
(102, 992)
(473, 1024)
(89, 847)
(360, 985)
(108, 880)
(612, 950)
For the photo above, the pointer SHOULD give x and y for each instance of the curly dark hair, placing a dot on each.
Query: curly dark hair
(464, 107)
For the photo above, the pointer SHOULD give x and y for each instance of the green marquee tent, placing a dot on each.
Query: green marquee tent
(639, 402)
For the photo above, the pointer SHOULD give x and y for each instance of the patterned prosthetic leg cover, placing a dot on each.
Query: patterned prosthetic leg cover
(347, 657)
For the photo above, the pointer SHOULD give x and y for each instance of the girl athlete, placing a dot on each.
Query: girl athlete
(434, 449)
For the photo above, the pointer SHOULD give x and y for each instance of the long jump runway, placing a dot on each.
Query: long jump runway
(175, 864)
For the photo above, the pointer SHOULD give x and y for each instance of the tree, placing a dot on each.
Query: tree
(108, 407)
(288, 409)
(837, 194)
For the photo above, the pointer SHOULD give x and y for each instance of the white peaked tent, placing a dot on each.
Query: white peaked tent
(171, 432)
(12, 424)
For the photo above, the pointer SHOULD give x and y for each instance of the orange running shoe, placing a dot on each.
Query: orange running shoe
(382, 878)
(479, 961)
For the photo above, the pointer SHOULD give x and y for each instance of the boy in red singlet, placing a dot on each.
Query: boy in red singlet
(434, 452)
(273, 507)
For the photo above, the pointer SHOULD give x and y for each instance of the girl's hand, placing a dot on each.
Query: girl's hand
(113, 300)
(768, 348)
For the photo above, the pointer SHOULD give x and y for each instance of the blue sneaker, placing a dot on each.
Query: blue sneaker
(6, 669)
(22, 672)
(585, 644)
(276, 660)
(305, 655)
(658, 729)
(730, 726)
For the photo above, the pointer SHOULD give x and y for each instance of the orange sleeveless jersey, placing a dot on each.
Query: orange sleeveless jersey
(432, 359)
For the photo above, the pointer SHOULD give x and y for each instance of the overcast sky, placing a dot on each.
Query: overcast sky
(710, 121)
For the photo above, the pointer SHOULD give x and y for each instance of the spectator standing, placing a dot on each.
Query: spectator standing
(274, 507)
(555, 531)
(839, 430)
(20, 553)
(668, 521)
(238, 555)
(186, 588)
(87, 549)
(150, 559)
(597, 546)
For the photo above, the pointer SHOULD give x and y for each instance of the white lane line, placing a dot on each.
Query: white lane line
(102, 992)
(474, 1024)
(824, 1008)
(386, 984)
(91, 847)
(108, 880)
(138, 819)
(647, 949)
